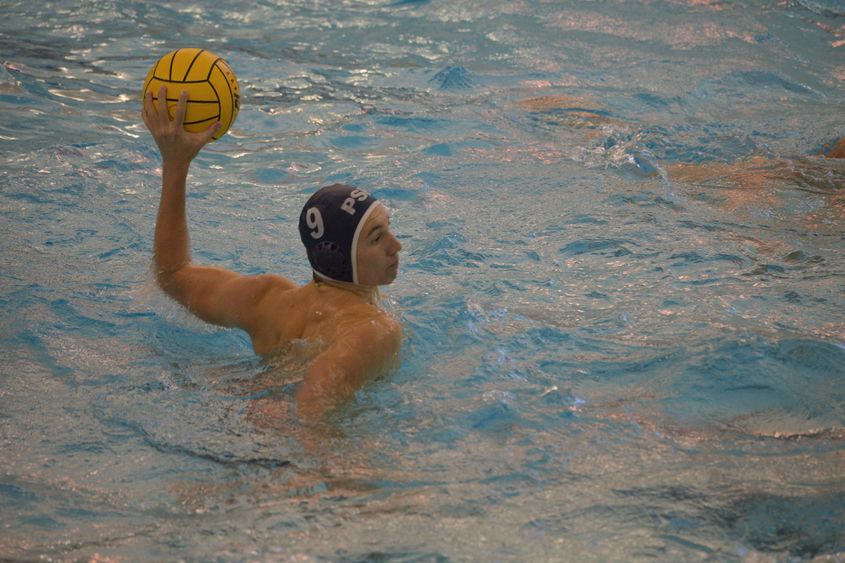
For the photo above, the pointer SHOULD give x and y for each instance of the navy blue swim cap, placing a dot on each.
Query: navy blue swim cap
(329, 226)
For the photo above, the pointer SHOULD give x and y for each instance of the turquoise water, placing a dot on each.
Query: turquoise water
(608, 355)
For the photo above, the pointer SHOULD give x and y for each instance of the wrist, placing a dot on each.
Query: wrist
(178, 168)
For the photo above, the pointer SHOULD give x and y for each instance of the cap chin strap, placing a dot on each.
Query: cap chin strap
(373, 294)
(354, 250)
(323, 276)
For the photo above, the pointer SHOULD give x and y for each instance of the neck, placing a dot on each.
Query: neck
(367, 293)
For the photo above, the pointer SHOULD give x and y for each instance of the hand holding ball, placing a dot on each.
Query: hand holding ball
(213, 92)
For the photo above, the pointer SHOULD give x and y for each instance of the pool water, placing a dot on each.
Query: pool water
(622, 283)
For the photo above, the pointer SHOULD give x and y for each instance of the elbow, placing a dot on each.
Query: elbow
(166, 267)
(167, 280)
(164, 279)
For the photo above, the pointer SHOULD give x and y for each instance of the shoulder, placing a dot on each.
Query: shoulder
(248, 297)
(365, 342)
(267, 282)
(376, 331)
(255, 292)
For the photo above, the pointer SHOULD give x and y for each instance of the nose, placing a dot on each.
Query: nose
(395, 246)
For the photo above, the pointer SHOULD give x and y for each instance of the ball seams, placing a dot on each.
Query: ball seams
(190, 66)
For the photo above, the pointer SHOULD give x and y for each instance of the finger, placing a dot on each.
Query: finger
(181, 108)
(161, 106)
(147, 108)
(209, 133)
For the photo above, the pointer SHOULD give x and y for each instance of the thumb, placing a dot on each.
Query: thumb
(211, 131)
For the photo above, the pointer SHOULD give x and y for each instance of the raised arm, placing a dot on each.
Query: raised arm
(213, 294)
(178, 148)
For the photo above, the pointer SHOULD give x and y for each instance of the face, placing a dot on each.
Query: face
(378, 250)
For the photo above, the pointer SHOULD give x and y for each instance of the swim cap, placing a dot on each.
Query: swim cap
(329, 226)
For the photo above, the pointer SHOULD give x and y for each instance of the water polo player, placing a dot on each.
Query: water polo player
(352, 251)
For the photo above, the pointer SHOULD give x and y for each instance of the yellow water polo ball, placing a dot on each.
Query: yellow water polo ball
(213, 93)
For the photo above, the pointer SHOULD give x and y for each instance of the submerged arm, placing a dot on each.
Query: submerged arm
(332, 378)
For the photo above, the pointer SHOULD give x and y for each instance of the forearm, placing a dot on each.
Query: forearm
(178, 148)
(172, 243)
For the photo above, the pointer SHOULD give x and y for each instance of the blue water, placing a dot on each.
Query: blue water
(622, 287)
